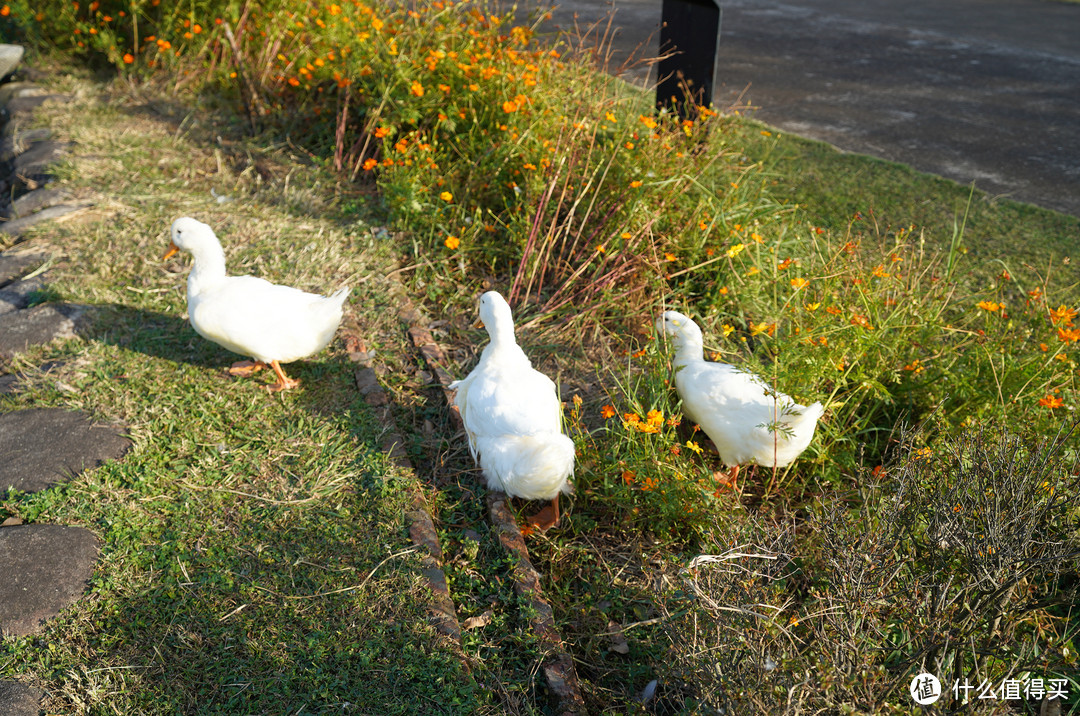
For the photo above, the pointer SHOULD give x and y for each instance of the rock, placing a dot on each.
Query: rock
(18, 699)
(25, 104)
(44, 446)
(38, 199)
(10, 57)
(45, 569)
(14, 265)
(39, 156)
(21, 329)
(11, 90)
(8, 383)
(16, 142)
(16, 227)
(19, 291)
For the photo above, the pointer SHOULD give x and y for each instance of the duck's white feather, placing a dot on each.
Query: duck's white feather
(746, 420)
(249, 315)
(512, 415)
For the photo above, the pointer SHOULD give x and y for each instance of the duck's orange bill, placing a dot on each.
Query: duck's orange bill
(173, 248)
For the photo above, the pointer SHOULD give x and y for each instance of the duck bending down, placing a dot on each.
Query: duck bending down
(251, 316)
(746, 420)
(512, 417)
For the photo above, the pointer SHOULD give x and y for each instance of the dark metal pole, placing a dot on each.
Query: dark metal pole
(689, 38)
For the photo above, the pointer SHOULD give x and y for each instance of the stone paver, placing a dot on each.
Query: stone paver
(45, 568)
(34, 326)
(44, 446)
(18, 699)
(14, 265)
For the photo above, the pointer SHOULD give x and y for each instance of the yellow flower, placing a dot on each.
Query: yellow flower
(655, 417)
(452, 242)
(757, 329)
(446, 196)
(735, 250)
(728, 330)
(694, 446)
(798, 283)
(610, 117)
(811, 307)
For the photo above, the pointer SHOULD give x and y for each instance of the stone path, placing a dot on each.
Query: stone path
(44, 568)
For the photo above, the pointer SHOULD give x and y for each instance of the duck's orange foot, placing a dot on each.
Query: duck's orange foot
(728, 478)
(546, 518)
(284, 381)
(244, 368)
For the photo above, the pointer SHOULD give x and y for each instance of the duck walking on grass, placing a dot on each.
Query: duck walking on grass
(512, 417)
(248, 315)
(746, 420)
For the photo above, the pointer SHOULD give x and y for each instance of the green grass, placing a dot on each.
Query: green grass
(255, 557)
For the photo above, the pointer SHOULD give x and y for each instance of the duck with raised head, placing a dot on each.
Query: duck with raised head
(513, 418)
(248, 315)
(749, 422)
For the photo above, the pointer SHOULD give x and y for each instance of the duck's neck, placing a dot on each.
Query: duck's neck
(689, 351)
(504, 345)
(208, 267)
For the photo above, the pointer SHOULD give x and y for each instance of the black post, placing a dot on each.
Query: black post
(690, 35)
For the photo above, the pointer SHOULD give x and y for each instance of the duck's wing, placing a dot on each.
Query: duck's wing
(254, 317)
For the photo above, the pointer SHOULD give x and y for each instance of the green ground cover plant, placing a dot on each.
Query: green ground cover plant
(503, 161)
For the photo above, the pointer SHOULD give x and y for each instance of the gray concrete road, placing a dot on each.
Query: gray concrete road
(973, 90)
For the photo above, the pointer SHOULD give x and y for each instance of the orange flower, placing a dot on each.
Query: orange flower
(128, 58)
(5, 11)
(370, 164)
(628, 477)
(1051, 401)
(1063, 314)
(990, 306)
(1068, 335)
(880, 271)
(797, 283)
(452, 242)
(607, 412)
(417, 89)
(670, 257)
(636, 183)
(509, 106)
(860, 320)
(648, 121)
(381, 132)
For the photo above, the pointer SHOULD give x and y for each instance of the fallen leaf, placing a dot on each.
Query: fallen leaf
(479, 621)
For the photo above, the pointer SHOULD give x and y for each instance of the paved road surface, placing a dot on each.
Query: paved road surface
(973, 90)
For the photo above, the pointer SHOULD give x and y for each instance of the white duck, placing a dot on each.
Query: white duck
(736, 408)
(248, 315)
(512, 416)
